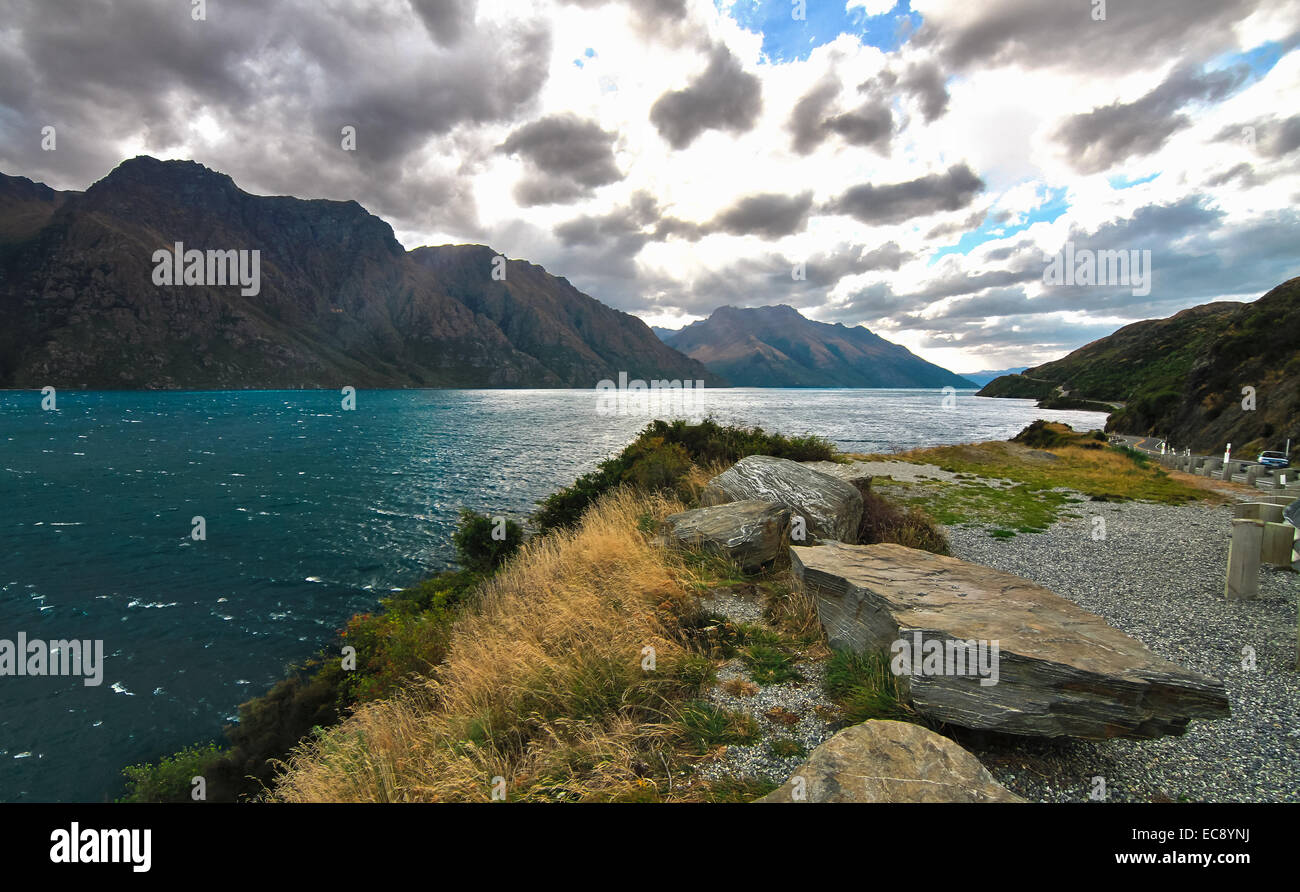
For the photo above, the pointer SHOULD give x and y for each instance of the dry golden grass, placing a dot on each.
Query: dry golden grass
(791, 611)
(693, 483)
(543, 685)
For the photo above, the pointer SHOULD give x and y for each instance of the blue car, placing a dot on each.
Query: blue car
(1274, 460)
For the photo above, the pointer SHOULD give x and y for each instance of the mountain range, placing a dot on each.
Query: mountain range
(340, 300)
(778, 347)
(1219, 373)
(983, 377)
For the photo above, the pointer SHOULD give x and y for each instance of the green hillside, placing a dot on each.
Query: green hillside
(1183, 377)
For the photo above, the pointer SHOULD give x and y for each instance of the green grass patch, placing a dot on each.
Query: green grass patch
(787, 747)
(864, 688)
(705, 726)
(1016, 488)
(769, 665)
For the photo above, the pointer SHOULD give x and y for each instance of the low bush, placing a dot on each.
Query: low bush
(662, 458)
(169, 779)
(483, 543)
(885, 521)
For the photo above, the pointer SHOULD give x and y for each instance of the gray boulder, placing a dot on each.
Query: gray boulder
(880, 761)
(751, 532)
(856, 474)
(1057, 671)
(831, 508)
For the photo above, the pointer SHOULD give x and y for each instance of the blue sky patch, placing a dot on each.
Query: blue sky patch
(990, 230)
(786, 39)
(1259, 60)
(1119, 181)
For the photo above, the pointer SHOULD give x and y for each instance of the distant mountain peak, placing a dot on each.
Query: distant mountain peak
(777, 346)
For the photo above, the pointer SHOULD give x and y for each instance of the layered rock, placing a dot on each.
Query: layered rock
(854, 473)
(1060, 671)
(881, 761)
(830, 508)
(749, 532)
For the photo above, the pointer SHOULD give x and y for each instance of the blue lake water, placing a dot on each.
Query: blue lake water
(312, 513)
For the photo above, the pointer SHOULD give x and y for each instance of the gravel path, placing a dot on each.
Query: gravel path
(1158, 576)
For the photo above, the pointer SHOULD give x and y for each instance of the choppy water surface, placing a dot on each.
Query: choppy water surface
(312, 513)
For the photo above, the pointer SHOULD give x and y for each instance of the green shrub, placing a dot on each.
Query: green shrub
(662, 455)
(169, 779)
(483, 543)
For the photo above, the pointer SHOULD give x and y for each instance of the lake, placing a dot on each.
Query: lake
(312, 513)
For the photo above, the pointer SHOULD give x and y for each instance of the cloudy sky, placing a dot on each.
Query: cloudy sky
(917, 162)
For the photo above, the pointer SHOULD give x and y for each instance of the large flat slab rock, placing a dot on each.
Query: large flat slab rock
(831, 508)
(1060, 670)
(880, 761)
(751, 532)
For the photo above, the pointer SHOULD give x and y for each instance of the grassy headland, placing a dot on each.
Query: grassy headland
(575, 666)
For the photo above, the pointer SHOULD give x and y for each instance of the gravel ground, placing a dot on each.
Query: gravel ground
(1158, 576)
(802, 699)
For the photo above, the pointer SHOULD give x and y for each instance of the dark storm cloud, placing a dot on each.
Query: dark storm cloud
(811, 120)
(1103, 137)
(569, 157)
(817, 114)
(446, 20)
(895, 202)
(279, 80)
(1243, 172)
(1282, 139)
(807, 118)
(769, 215)
(1269, 138)
(723, 97)
(926, 82)
(956, 227)
(642, 210)
(871, 124)
(1033, 33)
(567, 146)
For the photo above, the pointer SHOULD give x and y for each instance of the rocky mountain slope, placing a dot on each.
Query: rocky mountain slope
(778, 347)
(340, 301)
(1184, 377)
